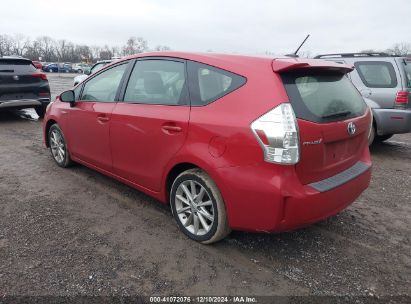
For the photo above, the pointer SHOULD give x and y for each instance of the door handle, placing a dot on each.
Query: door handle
(171, 129)
(103, 118)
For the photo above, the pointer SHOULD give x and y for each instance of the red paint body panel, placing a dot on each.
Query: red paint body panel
(139, 144)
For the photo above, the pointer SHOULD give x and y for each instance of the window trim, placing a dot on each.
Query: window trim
(391, 70)
(104, 69)
(126, 81)
(194, 85)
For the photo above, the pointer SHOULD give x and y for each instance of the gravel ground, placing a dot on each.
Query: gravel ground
(77, 232)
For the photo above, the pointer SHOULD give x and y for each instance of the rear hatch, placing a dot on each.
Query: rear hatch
(19, 79)
(333, 120)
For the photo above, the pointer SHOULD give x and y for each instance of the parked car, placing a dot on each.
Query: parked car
(22, 86)
(80, 67)
(56, 68)
(230, 142)
(88, 71)
(385, 82)
(38, 65)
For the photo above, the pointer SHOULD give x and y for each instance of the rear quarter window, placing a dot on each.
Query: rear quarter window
(376, 74)
(207, 83)
(323, 96)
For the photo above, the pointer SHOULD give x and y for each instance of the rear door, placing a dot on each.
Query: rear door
(333, 122)
(88, 122)
(150, 126)
(19, 80)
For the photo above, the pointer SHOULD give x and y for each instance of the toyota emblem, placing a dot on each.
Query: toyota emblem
(351, 128)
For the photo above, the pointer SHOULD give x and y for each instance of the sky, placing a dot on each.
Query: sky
(247, 27)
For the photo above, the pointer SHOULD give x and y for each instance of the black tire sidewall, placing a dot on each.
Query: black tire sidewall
(66, 161)
(177, 182)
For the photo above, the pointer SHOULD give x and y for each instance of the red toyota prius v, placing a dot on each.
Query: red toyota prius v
(230, 142)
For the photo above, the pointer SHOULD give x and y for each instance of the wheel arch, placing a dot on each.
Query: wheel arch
(172, 174)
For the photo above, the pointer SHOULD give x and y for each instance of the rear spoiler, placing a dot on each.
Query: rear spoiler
(289, 64)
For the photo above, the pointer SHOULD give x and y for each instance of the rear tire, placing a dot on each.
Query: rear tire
(58, 147)
(198, 207)
(372, 135)
(41, 111)
(382, 138)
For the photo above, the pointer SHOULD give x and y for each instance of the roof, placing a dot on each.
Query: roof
(241, 64)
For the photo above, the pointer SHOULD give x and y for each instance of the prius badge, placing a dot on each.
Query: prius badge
(351, 128)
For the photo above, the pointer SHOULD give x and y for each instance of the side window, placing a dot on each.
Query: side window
(104, 86)
(208, 83)
(157, 81)
(377, 74)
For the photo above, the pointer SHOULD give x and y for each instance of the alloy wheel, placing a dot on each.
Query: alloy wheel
(58, 148)
(194, 207)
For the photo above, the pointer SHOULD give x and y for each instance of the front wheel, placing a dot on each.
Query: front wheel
(198, 207)
(58, 147)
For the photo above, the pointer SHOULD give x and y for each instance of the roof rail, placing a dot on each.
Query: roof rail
(343, 55)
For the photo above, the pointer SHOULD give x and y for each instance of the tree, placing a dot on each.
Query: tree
(161, 48)
(134, 45)
(402, 49)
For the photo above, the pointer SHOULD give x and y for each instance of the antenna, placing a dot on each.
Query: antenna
(296, 51)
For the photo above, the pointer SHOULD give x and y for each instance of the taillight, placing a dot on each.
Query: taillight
(401, 99)
(41, 75)
(277, 133)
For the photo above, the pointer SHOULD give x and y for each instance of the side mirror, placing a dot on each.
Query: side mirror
(68, 96)
(87, 71)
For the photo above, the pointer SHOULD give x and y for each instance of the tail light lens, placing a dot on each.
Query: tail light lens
(41, 75)
(401, 99)
(277, 133)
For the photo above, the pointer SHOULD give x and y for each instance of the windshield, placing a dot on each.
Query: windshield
(407, 69)
(323, 96)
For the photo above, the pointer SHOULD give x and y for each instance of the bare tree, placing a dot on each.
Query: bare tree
(161, 48)
(20, 44)
(134, 45)
(6, 45)
(401, 49)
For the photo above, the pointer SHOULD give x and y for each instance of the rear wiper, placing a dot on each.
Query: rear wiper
(337, 114)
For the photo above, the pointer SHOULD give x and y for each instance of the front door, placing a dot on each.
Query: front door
(88, 122)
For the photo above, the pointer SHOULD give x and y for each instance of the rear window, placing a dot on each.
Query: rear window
(377, 74)
(16, 66)
(407, 70)
(323, 96)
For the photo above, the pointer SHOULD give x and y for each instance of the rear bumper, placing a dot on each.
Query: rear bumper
(272, 199)
(24, 103)
(392, 121)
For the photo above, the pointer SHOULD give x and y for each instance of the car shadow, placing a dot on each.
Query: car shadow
(18, 115)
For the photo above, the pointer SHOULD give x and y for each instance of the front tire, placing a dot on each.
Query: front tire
(58, 147)
(198, 207)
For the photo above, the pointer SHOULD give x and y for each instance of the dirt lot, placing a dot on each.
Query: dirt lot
(74, 231)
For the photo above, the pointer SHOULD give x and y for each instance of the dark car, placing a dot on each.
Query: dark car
(22, 86)
(55, 68)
